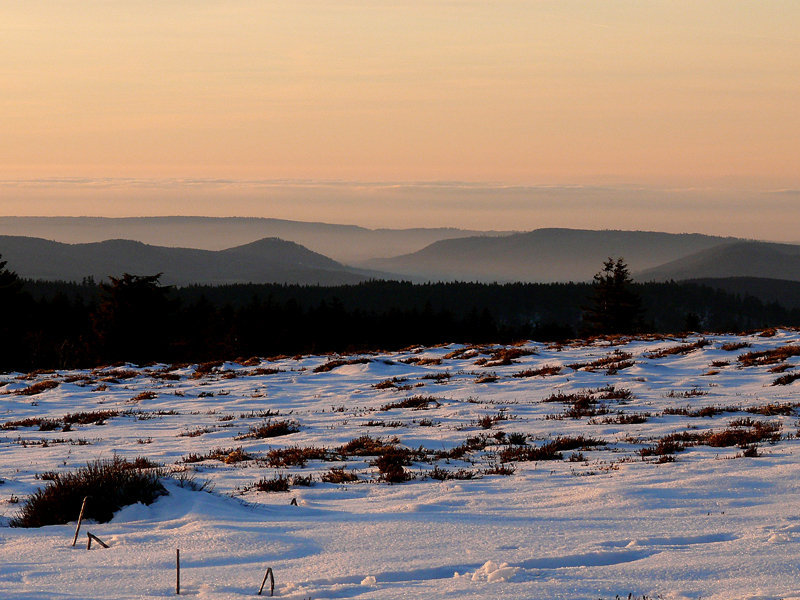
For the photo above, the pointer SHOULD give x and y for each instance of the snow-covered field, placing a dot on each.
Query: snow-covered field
(721, 520)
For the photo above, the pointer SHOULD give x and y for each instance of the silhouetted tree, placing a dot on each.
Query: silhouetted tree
(614, 306)
(132, 320)
(12, 318)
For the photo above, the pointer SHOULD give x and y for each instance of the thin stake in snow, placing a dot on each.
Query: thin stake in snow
(91, 537)
(80, 519)
(177, 571)
(271, 582)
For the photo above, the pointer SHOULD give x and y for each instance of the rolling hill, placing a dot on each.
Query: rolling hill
(345, 243)
(269, 260)
(542, 255)
(739, 259)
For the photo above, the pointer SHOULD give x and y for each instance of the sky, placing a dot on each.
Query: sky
(670, 115)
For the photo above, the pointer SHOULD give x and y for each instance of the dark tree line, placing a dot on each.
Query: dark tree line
(136, 319)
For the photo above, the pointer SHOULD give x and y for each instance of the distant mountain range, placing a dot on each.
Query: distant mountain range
(269, 260)
(345, 243)
(761, 269)
(543, 255)
(738, 259)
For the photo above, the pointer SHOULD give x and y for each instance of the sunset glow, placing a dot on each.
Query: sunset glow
(142, 106)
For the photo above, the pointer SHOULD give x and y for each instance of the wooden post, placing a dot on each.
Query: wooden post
(271, 582)
(91, 537)
(178, 572)
(80, 519)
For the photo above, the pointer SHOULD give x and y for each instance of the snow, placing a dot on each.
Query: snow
(713, 524)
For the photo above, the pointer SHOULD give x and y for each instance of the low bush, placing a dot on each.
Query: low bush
(414, 403)
(772, 410)
(276, 484)
(389, 383)
(302, 480)
(576, 443)
(612, 363)
(680, 349)
(206, 368)
(390, 465)
(517, 439)
(731, 346)
(500, 469)
(545, 371)
(786, 379)
(505, 356)
(444, 475)
(271, 429)
(625, 419)
(229, 456)
(339, 475)
(744, 436)
(613, 393)
(487, 421)
(443, 376)
(706, 411)
(547, 451)
(769, 357)
(333, 364)
(37, 388)
(111, 484)
(296, 456)
(366, 446)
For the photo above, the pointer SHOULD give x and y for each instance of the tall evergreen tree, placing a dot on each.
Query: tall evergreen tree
(133, 319)
(614, 306)
(13, 316)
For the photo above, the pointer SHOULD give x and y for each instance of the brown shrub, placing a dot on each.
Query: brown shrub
(612, 363)
(769, 357)
(205, 368)
(340, 362)
(37, 388)
(732, 346)
(680, 349)
(270, 429)
(626, 419)
(771, 410)
(505, 356)
(296, 456)
(547, 451)
(421, 361)
(545, 371)
(500, 469)
(414, 402)
(339, 475)
(391, 465)
(443, 474)
(786, 379)
(389, 383)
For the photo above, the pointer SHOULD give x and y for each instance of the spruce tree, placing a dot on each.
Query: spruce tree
(614, 306)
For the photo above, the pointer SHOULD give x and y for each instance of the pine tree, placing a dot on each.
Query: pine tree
(132, 320)
(614, 306)
(10, 284)
(13, 318)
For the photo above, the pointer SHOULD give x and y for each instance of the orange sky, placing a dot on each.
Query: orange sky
(700, 97)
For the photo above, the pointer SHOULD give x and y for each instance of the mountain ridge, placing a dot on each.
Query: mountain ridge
(344, 243)
(270, 260)
(745, 258)
(547, 254)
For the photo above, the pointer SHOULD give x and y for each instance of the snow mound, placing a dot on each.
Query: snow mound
(491, 572)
